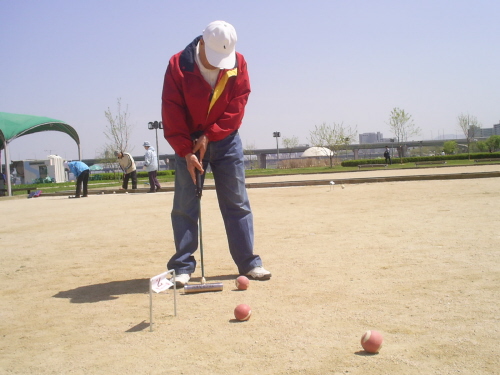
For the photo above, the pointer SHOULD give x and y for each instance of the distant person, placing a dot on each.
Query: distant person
(81, 172)
(387, 155)
(205, 92)
(127, 165)
(151, 164)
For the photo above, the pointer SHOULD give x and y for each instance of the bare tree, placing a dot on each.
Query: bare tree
(402, 125)
(470, 127)
(118, 129)
(332, 137)
(290, 143)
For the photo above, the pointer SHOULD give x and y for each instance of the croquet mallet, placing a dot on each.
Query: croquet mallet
(203, 287)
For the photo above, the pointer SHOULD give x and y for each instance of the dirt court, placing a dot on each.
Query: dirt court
(416, 260)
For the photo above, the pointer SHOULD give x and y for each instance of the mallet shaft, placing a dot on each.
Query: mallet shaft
(214, 287)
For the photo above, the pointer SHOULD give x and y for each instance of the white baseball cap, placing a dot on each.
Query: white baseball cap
(220, 44)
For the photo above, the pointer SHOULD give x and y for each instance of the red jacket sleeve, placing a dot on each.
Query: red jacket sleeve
(175, 124)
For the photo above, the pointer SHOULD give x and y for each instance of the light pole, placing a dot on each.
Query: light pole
(277, 135)
(156, 125)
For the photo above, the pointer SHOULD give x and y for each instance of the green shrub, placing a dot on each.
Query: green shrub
(160, 173)
(356, 162)
(396, 159)
(142, 174)
(486, 155)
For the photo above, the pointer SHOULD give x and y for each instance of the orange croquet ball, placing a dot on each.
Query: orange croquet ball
(242, 283)
(242, 312)
(372, 341)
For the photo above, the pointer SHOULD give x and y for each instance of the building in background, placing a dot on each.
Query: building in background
(371, 138)
(29, 171)
(475, 131)
(496, 129)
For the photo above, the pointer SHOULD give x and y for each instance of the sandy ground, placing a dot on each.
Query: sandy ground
(416, 260)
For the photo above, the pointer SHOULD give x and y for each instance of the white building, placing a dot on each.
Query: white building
(30, 170)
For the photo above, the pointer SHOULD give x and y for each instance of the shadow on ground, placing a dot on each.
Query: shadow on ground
(105, 291)
(139, 327)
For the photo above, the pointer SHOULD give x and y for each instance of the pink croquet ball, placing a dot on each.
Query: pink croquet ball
(371, 341)
(242, 312)
(242, 283)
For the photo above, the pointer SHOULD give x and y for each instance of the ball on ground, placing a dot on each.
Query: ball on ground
(242, 312)
(242, 282)
(372, 341)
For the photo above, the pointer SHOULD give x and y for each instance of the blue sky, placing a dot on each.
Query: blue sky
(310, 62)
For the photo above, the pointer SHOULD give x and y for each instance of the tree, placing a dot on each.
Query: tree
(450, 147)
(469, 126)
(289, 143)
(481, 146)
(332, 137)
(493, 143)
(402, 125)
(118, 129)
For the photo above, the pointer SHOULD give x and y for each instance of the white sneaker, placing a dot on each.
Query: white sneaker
(259, 273)
(181, 279)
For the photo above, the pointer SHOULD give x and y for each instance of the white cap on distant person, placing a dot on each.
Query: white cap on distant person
(220, 44)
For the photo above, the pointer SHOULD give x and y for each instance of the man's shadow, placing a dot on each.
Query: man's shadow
(105, 291)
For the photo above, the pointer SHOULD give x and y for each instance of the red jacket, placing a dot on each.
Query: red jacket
(190, 107)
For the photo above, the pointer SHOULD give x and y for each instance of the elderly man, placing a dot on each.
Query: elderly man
(127, 165)
(205, 92)
(151, 165)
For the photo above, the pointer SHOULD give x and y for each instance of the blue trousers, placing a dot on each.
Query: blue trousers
(82, 183)
(227, 163)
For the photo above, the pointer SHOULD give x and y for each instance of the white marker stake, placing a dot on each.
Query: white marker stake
(160, 283)
(331, 185)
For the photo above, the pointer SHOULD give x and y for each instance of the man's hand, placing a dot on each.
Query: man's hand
(201, 145)
(193, 163)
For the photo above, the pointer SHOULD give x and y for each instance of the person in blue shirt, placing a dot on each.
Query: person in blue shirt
(81, 172)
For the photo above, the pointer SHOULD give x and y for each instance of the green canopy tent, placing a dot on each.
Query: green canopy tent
(13, 126)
